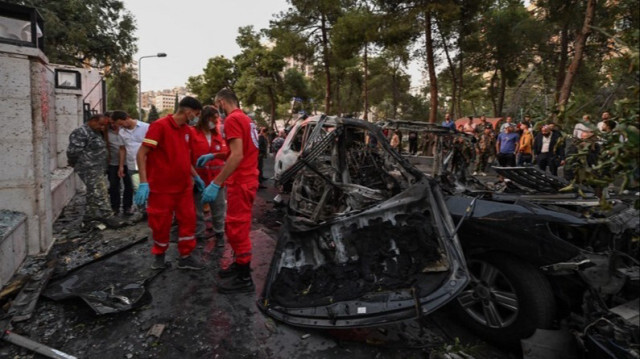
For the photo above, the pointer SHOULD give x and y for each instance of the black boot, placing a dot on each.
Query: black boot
(239, 283)
(219, 240)
(230, 271)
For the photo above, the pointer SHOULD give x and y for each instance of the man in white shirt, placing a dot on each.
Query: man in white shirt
(117, 171)
(582, 129)
(605, 116)
(506, 124)
(133, 132)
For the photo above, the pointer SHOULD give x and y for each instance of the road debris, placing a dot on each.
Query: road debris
(156, 330)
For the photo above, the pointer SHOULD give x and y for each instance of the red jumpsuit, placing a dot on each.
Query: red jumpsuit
(242, 185)
(200, 146)
(170, 185)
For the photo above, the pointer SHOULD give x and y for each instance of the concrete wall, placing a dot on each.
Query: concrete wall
(26, 96)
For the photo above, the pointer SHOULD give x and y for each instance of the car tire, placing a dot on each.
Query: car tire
(506, 300)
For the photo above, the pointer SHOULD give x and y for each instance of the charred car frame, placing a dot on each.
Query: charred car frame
(367, 240)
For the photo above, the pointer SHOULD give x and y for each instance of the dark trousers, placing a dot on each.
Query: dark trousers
(260, 165)
(548, 159)
(114, 189)
(525, 159)
(506, 159)
(483, 161)
(413, 146)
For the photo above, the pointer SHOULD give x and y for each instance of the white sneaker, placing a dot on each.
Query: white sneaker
(483, 174)
(475, 173)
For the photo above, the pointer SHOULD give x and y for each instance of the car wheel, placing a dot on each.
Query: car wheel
(506, 300)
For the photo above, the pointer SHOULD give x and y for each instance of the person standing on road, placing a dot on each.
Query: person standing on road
(525, 150)
(87, 154)
(164, 162)
(469, 128)
(395, 141)
(240, 175)
(118, 171)
(507, 146)
(278, 141)
(133, 132)
(413, 142)
(484, 150)
(508, 122)
(546, 149)
(449, 123)
(263, 147)
(207, 138)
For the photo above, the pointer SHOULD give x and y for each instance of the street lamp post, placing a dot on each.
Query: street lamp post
(159, 54)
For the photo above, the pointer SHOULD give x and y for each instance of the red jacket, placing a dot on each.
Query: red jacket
(200, 146)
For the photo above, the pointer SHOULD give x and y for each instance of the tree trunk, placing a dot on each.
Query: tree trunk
(394, 94)
(272, 102)
(327, 67)
(454, 79)
(503, 87)
(579, 44)
(492, 92)
(564, 49)
(338, 102)
(365, 85)
(460, 84)
(433, 82)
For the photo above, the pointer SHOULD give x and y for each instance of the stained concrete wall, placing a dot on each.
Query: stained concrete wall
(34, 134)
(26, 97)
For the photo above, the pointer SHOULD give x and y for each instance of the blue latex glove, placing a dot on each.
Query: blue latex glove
(204, 159)
(199, 183)
(142, 194)
(210, 193)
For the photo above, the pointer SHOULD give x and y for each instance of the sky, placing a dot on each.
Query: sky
(191, 32)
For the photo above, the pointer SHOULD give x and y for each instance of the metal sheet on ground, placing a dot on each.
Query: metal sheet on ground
(111, 285)
(533, 177)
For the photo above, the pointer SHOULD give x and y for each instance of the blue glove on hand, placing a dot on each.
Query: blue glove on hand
(199, 183)
(204, 159)
(210, 193)
(142, 194)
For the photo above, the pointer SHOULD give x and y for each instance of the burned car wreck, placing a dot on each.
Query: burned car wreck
(367, 239)
(542, 258)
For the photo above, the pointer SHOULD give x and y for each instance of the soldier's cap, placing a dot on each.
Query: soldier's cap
(191, 103)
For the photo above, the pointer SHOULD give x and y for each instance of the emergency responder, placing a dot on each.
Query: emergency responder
(87, 154)
(207, 138)
(240, 175)
(164, 165)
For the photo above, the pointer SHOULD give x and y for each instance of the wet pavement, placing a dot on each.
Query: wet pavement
(183, 316)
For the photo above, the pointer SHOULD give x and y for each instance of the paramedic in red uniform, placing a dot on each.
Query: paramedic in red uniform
(207, 138)
(164, 164)
(240, 176)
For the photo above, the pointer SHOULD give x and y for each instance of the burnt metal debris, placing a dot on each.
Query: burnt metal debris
(367, 239)
(581, 258)
(109, 285)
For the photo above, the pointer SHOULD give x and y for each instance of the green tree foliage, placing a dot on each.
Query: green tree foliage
(508, 43)
(618, 151)
(98, 32)
(153, 114)
(259, 73)
(218, 73)
(305, 32)
(122, 91)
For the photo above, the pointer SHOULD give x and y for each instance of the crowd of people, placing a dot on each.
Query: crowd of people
(173, 171)
(507, 143)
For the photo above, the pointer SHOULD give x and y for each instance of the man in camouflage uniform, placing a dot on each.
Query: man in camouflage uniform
(87, 154)
(484, 150)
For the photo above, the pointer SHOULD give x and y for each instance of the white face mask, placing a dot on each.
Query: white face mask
(212, 125)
